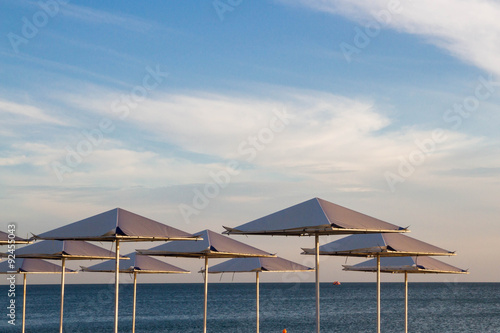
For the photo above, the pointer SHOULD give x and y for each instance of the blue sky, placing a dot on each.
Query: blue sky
(384, 107)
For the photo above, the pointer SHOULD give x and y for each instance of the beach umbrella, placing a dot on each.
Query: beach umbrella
(9, 238)
(258, 265)
(30, 266)
(406, 265)
(379, 245)
(138, 264)
(116, 225)
(213, 245)
(64, 250)
(315, 217)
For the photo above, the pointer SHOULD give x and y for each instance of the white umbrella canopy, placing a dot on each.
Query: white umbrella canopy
(312, 217)
(30, 266)
(315, 217)
(257, 265)
(382, 244)
(116, 225)
(379, 245)
(70, 250)
(406, 265)
(413, 265)
(213, 245)
(245, 265)
(6, 239)
(64, 250)
(139, 264)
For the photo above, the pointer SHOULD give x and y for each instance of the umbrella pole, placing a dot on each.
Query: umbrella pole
(117, 281)
(135, 299)
(378, 294)
(206, 297)
(406, 302)
(257, 304)
(62, 294)
(24, 301)
(316, 239)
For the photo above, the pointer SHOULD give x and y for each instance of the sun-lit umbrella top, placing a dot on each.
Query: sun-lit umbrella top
(74, 250)
(32, 266)
(115, 224)
(422, 264)
(389, 244)
(314, 216)
(213, 245)
(241, 265)
(4, 239)
(137, 263)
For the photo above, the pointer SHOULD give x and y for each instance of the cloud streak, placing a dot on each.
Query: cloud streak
(470, 30)
(329, 139)
(28, 112)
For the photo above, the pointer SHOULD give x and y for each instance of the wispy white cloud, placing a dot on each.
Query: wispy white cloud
(95, 16)
(29, 112)
(329, 138)
(62, 67)
(469, 30)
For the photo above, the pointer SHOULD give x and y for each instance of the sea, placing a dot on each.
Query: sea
(349, 307)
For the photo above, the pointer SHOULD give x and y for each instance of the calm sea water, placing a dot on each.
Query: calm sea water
(350, 307)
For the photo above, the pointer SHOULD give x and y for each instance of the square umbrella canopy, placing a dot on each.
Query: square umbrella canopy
(30, 266)
(383, 245)
(6, 239)
(379, 245)
(257, 265)
(213, 245)
(70, 250)
(116, 225)
(139, 264)
(315, 217)
(406, 265)
(412, 265)
(64, 250)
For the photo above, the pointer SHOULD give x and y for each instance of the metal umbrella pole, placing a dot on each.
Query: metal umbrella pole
(406, 302)
(206, 297)
(406, 265)
(140, 265)
(258, 296)
(316, 240)
(24, 302)
(63, 264)
(250, 265)
(117, 282)
(135, 298)
(378, 293)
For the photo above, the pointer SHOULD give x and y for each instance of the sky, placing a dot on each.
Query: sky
(200, 114)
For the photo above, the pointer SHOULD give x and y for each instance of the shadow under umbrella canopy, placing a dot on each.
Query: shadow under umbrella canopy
(258, 265)
(213, 245)
(30, 266)
(406, 265)
(379, 245)
(116, 225)
(315, 217)
(64, 250)
(138, 264)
